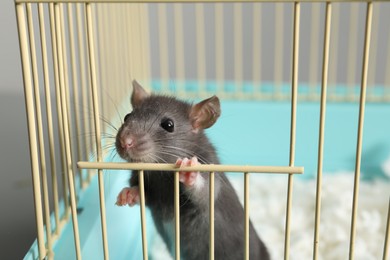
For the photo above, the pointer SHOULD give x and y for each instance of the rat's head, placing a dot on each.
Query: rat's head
(162, 129)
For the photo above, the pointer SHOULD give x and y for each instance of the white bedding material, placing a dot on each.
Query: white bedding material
(268, 207)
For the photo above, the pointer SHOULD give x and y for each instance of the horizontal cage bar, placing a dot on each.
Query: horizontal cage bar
(203, 167)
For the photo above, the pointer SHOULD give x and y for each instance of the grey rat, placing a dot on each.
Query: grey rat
(163, 129)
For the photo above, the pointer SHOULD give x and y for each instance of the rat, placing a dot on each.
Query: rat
(163, 129)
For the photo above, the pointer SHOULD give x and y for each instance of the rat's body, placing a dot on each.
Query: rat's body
(162, 129)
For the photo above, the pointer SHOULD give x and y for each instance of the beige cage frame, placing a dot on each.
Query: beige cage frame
(81, 63)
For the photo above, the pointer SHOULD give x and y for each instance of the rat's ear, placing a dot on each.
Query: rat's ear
(139, 94)
(205, 113)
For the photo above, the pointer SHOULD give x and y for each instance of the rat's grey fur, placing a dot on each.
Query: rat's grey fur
(165, 147)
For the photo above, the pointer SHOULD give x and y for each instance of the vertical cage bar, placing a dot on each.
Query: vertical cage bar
(95, 105)
(177, 216)
(85, 83)
(29, 102)
(75, 86)
(324, 87)
(65, 99)
(367, 38)
(61, 133)
(80, 19)
(200, 46)
(49, 116)
(58, 8)
(219, 47)
(386, 248)
(143, 214)
(211, 219)
(66, 94)
(294, 93)
(246, 213)
(39, 124)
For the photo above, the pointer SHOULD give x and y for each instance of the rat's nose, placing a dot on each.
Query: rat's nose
(127, 143)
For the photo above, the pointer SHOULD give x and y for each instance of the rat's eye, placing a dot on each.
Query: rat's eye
(167, 124)
(126, 117)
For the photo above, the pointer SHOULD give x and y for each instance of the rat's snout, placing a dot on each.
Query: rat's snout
(133, 146)
(127, 142)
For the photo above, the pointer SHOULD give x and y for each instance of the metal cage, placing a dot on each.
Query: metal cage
(73, 50)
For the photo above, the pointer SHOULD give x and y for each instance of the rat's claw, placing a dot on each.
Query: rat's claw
(187, 178)
(128, 196)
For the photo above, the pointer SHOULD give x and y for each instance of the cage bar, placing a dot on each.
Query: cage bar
(246, 214)
(53, 31)
(143, 213)
(201, 167)
(63, 34)
(92, 62)
(39, 124)
(294, 93)
(324, 86)
(29, 102)
(58, 9)
(49, 117)
(177, 215)
(65, 92)
(84, 84)
(386, 247)
(75, 85)
(359, 142)
(211, 218)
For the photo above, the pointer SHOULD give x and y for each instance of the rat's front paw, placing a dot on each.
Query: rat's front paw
(189, 179)
(128, 196)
